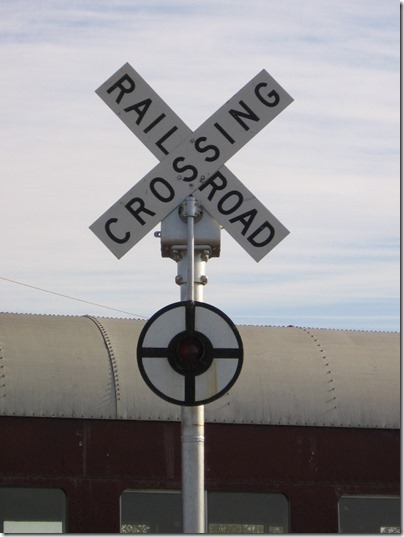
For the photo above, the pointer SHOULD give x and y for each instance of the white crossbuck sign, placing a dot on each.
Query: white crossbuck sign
(191, 163)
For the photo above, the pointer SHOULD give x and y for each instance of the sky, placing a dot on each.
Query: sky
(328, 166)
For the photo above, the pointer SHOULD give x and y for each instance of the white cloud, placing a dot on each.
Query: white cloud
(327, 167)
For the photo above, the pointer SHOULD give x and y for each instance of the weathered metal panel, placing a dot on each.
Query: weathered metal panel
(94, 461)
(54, 366)
(364, 376)
(58, 366)
(132, 396)
(299, 376)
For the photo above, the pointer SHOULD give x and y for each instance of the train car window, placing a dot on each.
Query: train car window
(151, 511)
(369, 514)
(32, 510)
(227, 512)
(246, 512)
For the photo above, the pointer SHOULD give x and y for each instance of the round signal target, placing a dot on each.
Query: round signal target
(190, 353)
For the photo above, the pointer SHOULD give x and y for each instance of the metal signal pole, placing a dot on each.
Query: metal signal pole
(191, 236)
(192, 417)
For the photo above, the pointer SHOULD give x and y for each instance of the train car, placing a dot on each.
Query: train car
(306, 441)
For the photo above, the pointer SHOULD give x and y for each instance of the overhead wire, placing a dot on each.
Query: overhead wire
(72, 298)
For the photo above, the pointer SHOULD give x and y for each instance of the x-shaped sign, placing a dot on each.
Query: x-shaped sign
(191, 162)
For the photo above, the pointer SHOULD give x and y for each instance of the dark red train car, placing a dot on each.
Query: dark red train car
(307, 441)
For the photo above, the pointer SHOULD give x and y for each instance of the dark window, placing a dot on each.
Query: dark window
(151, 512)
(247, 512)
(369, 514)
(227, 512)
(32, 510)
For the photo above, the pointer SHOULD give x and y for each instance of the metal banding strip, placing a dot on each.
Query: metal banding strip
(190, 315)
(221, 353)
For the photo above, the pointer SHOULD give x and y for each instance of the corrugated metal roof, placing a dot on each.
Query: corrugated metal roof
(85, 367)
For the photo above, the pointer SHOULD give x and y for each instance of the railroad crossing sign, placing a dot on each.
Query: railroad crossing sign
(191, 163)
(190, 353)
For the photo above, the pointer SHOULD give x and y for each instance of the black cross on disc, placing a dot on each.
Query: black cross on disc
(190, 353)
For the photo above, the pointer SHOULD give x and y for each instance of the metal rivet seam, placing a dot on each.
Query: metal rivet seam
(111, 354)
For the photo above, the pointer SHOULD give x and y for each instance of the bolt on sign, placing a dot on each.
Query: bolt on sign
(191, 163)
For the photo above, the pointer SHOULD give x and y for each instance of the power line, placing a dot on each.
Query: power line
(72, 298)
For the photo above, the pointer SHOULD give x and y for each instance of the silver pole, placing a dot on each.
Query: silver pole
(190, 214)
(192, 418)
